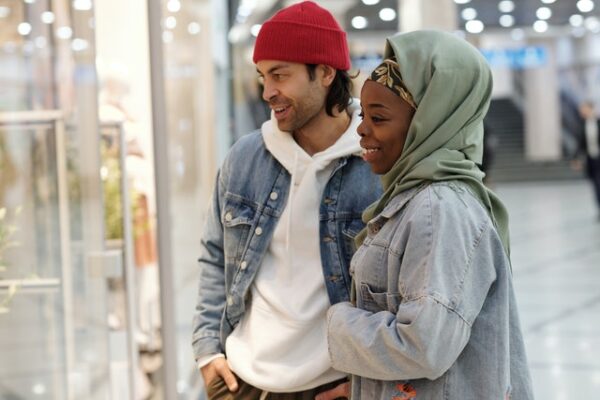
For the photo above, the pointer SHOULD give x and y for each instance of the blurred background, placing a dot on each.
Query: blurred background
(115, 116)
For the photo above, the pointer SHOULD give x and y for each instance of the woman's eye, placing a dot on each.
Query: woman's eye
(376, 119)
(361, 115)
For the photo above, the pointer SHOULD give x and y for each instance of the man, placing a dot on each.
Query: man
(589, 145)
(279, 237)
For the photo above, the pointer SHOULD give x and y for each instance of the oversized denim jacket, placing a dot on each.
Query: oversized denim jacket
(251, 193)
(436, 316)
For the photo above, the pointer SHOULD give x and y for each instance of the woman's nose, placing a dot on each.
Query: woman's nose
(362, 129)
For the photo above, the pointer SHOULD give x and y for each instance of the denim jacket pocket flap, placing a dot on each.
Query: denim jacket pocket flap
(237, 213)
(375, 301)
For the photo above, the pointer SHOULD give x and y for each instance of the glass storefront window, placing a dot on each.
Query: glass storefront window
(192, 134)
(54, 338)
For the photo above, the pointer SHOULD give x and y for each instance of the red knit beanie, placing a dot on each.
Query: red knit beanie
(304, 33)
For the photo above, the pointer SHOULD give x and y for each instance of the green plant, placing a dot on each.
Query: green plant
(111, 181)
(7, 231)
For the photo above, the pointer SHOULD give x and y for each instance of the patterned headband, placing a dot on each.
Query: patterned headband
(388, 74)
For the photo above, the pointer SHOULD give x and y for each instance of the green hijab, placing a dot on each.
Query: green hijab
(451, 85)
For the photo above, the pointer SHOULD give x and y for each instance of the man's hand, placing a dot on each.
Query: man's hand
(218, 367)
(340, 391)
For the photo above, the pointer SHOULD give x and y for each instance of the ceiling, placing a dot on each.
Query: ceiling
(488, 12)
(524, 12)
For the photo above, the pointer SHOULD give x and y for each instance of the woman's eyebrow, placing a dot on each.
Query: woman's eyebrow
(377, 105)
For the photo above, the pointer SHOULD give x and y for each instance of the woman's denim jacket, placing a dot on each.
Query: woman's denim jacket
(436, 316)
(251, 193)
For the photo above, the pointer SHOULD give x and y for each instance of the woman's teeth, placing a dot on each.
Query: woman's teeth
(367, 151)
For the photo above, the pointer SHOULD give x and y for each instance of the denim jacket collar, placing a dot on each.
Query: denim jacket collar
(394, 206)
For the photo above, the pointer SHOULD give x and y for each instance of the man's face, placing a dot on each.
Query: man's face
(295, 99)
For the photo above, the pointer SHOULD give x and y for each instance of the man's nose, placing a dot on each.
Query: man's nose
(269, 91)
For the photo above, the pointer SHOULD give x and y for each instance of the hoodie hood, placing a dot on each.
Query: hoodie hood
(293, 157)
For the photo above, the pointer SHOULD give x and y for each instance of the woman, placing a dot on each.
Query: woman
(435, 314)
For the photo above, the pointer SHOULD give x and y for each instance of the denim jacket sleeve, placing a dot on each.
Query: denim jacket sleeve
(445, 267)
(210, 304)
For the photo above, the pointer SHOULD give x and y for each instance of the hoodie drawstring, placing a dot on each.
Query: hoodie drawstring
(288, 231)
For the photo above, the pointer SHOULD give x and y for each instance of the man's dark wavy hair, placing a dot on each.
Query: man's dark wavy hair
(340, 92)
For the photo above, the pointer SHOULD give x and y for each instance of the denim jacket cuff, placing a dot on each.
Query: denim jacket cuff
(206, 345)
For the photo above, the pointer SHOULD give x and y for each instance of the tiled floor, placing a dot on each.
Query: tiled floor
(556, 262)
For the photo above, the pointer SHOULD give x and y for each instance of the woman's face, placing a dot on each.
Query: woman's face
(386, 119)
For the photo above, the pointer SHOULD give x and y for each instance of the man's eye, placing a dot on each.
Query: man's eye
(376, 119)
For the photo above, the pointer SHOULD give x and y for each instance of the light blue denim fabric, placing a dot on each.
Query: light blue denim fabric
(251, 193)
(436, 315)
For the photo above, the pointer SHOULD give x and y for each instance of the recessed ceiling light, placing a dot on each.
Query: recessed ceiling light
(462, 1)
(585, 5)
(194, 28)
(79, 44)
(543, 13)
(167, 36)
(469, 14)
(359, 22)
(39, 389)
(170, 22)
(540, 26)
(507, 20)
(255, 29)
(4, 11)
(24, 28)
(64, 32)
(506, 6)
(82, 5)
(474, 26)
(387, 14)
(370, 2)
(47, 17)
(592, 24)
(576, 20)
(173, 6)
(548, 1)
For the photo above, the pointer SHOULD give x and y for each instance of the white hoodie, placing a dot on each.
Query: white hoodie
(280, 345)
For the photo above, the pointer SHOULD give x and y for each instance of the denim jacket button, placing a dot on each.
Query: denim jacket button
(274, 196)
(229, 301)
(228, 217)
(258, 231)
(243, 265)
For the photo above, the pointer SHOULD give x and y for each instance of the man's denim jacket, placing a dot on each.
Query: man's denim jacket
(251, 193)
(436, 315)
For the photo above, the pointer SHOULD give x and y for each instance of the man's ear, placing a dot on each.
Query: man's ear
(327, 74)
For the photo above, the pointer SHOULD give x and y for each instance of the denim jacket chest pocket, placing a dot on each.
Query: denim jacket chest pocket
(376, 291)
(237, 218)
